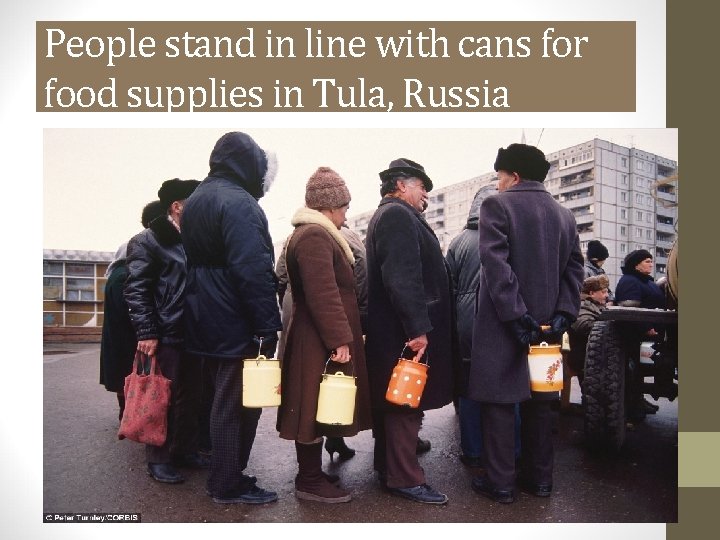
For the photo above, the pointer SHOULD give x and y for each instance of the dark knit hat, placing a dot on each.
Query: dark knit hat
(150, 211)
(176, 190)
(634, 258)
(592, 284)
(597, 251)
(326, 190)
(404, 166)
(528, 161)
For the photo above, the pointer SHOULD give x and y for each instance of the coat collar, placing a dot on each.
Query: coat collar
(165, 232)
(305, 216)
(419, 215)
(528, 185)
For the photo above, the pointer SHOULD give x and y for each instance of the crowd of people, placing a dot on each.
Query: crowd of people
(199, 290)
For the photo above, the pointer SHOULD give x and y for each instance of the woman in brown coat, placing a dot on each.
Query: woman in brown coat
(325, 323)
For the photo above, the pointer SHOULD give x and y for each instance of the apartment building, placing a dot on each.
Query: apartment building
(625, 197)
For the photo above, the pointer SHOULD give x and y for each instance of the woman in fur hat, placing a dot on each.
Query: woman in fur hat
(325, 324)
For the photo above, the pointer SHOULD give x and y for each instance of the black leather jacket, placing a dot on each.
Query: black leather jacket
(155, 287)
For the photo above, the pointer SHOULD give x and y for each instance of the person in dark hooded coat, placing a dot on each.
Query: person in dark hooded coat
(532, 273)
(231, 306)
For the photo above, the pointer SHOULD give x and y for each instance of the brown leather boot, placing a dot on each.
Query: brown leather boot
(310, 483)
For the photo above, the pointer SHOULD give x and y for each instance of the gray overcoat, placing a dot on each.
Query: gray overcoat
(532, 263)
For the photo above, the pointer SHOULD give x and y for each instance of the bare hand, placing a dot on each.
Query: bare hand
(341, 355)
(148, 346)
(418, 345)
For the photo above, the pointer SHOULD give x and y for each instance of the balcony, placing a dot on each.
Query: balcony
(575, 179)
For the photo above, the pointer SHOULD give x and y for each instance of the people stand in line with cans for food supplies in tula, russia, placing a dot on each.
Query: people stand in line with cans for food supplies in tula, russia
(155, 294)
(468, 319)
(324, 334)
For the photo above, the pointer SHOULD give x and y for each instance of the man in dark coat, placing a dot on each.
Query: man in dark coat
(155, 293)
(231, 311)
(532, 273)
(409, 307)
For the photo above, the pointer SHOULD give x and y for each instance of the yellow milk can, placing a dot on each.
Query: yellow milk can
(546, 369)
(261, 382)
(336, 401)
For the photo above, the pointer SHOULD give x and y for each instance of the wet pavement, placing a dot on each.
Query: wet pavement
(87, 469)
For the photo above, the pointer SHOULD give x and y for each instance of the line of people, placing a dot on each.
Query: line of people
(202, 295)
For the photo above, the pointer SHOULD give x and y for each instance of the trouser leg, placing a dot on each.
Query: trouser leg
(401, 433)
(470, 428)
(498, 432)
(537, 445)
(232, 429)
(168, 358)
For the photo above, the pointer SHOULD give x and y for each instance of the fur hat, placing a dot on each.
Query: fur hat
(597, 251)
(176, 190)
(409, 168)
(326, 190)
(634, 258)
(592, 284)
(528, 161)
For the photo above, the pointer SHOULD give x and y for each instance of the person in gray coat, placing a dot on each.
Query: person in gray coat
(532, 273)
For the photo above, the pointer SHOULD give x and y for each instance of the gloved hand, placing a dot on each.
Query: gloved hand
(526, 329)
(559, 324)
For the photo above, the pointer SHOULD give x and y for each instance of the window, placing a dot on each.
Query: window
(52, 287)
(623, 230)
(623, 161)
(639, 215)
(648, 217)
(623, 213)
(640, 165)
(649, 201)
(623, 196)
(639, 182)
(80, 289)
(648, 234)
(638, 233)
(624, 180)
(52, 268)
(638, 198)
(623, 248)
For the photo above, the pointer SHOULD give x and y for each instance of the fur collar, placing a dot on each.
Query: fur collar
(307, 216)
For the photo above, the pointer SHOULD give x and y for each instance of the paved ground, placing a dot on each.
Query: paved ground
(87, 469)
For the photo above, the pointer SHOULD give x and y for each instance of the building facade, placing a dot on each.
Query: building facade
(74, 287)
(625, 197)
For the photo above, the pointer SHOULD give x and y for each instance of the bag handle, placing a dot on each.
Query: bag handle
(141, 362)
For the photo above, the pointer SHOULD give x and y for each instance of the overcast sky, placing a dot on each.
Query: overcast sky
(96, 181)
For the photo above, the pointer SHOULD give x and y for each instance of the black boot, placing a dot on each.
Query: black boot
(121, 403)
(310, 483)
(337, 444)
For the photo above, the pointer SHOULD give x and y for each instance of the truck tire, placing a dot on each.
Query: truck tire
(604, 387)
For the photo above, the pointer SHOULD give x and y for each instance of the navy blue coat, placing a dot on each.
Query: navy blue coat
(231, 285)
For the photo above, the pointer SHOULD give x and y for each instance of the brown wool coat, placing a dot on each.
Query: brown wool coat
(325, 315)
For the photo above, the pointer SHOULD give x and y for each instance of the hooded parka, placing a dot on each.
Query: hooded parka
(231, 286)
(408, 295)
(532, 263)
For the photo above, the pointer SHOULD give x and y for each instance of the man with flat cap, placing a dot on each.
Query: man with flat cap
(532, 274)
(155, 295)
(410, 312)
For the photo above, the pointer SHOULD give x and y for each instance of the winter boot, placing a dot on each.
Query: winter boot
(310, 483)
